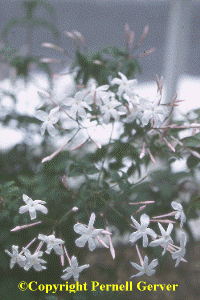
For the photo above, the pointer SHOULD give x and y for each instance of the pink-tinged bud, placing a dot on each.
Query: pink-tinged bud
(102, 215)
(144, 34)
(147, 52)
(50, 60)
(64, 183)
(163, 221)
(143, 202)
(79, 146)
(112, 250)
(2, 200)
(151, 156)
(69, 260)
(102, 242)
(178, 142)
(142, 154)
(140, 209)
(25, 226)
(131, 39)
(75, 208)
(173, 103)
(127, 29)
(69, 34)
(98, 62)
(39, 246)
(166, 215)
(52, 46)
(54, 154)
(106, 232)
(29, 244)
(194, 153)
(159, 83)
(139, 255)
(79, 36)
(62, 259)
(168, 144)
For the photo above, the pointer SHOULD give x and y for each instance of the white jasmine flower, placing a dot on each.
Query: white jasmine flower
(145, 268)
(165, 239)
(180, 213)
(73, 270)
(142, 230)
(32, 206)
(77, 105)
(181, 252)
(154, 112)
(16, 257)
(125, 85)
(95, 94)
(108, 109)
(52, 243)
(34, 260)
(134, 112)
(88, 233)
(49, 120)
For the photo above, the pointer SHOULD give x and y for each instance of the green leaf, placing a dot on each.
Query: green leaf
(192, 161)
(91, 170)
(192, 141)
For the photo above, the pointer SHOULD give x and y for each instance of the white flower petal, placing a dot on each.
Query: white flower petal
(145, 240)
(177, 206)
(26, 199)
(23, 209)
(137, 225)
(91, 244)
(66, 276)
(80, 228)
(32, 213)
(41, 208)
(138, 274)
(41, 115)
(135, 236)
(43, 128)
(144, 220)
(51, 129)
(58, 249)
(91, 221)
(80, 242)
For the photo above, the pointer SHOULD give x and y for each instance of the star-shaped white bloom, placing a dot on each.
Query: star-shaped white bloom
(95, 94)
(145, 268)
(34, 260)
(16, 257)
(180, 213)
(49, 120)
(125, 85)
(73, 270)
(88, 233)
(142, 230)
(108, 109)
(135, 111)
(181, 252)
(165, 239)
(154, 112)
(77, 105)
(32, 206)
(52, 243)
